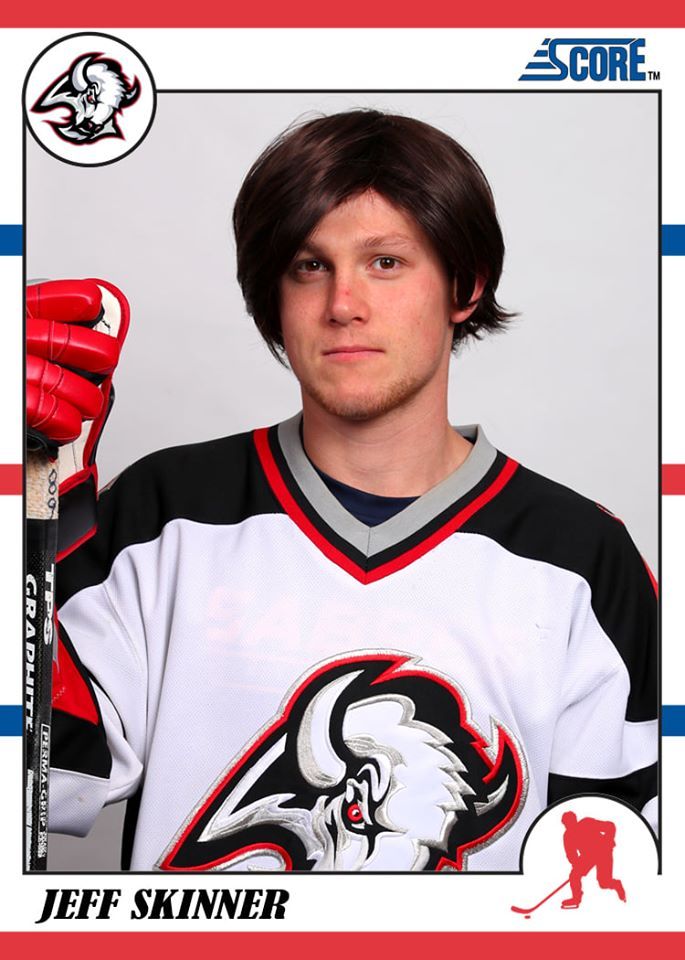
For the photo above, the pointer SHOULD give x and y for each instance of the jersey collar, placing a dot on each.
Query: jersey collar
(370, 553)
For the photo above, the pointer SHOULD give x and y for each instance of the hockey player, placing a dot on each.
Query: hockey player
(360, 639)
(589, 843)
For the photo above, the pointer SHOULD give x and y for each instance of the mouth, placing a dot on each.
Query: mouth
(359, 352)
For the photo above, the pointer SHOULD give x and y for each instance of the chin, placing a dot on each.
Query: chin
(367, 405)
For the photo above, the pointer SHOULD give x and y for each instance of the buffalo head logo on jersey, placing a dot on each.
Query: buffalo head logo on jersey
(95, 90)
(371, 764)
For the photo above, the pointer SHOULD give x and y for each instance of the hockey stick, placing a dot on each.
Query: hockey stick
(529, 910)
(42, 500)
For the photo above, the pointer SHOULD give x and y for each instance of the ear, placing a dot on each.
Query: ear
(459, 314)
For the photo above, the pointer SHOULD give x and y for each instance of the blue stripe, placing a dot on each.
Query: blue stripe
(11, 237)
(673, 240)
(10, 720)
(673, 721)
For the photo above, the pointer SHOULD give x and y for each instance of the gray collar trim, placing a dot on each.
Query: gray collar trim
(373, 540)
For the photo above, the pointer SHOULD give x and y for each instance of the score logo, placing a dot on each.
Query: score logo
(617, 58)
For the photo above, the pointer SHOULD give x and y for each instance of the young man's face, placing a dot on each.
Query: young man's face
(367, 312)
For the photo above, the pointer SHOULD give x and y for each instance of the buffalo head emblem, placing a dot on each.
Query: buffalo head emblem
(371, 764)
(95, 90)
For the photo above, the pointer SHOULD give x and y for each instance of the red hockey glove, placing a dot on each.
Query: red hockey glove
(67, 360)
(75, 329)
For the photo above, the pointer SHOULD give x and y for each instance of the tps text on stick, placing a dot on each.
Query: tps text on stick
(164, 903)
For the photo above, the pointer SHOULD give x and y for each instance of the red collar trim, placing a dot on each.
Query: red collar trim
(294, 511)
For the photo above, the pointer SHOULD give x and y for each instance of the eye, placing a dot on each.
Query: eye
(386, 264)
(310, 266)
(354, 813)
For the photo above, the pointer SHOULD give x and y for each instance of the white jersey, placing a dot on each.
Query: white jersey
(276, 685)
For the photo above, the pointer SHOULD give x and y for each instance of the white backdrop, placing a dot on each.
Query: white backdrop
(571, 390)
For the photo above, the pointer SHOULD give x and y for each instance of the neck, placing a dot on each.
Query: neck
(397, 455)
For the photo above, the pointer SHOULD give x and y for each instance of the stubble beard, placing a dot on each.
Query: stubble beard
(365, 406)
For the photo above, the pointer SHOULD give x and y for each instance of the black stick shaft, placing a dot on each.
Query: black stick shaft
(41, 544)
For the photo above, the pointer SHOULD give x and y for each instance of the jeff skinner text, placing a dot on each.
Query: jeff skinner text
(163, 903)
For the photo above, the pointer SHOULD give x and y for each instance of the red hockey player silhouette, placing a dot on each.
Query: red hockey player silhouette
(589, 843)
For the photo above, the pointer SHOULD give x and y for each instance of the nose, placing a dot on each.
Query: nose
(347, 301)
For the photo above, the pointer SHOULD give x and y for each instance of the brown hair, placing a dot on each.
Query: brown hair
(313, 167)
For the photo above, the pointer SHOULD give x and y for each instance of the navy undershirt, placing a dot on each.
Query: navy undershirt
(369, 508)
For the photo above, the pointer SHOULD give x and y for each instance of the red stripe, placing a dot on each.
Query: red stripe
(11, 479)
(353, 13)
(296, 514)
(673, 479)
(341, 945)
